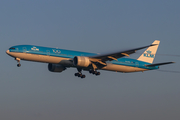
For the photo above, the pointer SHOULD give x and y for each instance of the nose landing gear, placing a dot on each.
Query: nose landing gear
(18, 60)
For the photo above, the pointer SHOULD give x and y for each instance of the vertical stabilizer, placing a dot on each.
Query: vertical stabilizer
(149, 54)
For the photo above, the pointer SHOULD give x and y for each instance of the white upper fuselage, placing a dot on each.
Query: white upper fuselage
(65, 58)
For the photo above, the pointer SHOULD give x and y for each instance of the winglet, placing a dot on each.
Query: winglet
(149, 54)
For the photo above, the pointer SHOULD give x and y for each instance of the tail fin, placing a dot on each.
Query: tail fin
(149, 54)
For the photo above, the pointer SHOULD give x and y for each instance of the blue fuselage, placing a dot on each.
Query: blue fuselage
(65, 57)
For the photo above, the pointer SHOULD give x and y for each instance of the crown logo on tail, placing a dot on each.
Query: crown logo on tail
(148, 54)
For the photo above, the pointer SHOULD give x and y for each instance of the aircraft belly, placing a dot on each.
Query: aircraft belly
(122, 68)
(43, 58)
(68, 62)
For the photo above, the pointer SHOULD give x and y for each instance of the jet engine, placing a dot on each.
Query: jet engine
(55, 67)
(81, 61)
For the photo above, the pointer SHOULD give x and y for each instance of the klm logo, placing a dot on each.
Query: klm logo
(35, 49)
(148, 54)
(56, 51)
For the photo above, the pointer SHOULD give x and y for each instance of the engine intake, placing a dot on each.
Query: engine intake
(81, 61)
(55, 67)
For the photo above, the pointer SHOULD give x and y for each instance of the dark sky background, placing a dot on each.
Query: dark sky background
(31, 92)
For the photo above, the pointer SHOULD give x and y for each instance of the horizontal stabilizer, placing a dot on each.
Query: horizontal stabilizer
(158, 64)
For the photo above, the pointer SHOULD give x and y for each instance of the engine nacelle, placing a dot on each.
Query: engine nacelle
(55, 67)
(81, 61)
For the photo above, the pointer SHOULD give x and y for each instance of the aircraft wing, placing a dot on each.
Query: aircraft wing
(116, 55)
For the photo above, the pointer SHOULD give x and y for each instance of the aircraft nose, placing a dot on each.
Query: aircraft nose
(7, 51)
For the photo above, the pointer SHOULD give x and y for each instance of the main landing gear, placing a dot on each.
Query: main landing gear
(18, 60)
(94, 72)
(79, 74)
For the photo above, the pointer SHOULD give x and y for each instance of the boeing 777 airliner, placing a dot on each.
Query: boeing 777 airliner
(59, 59)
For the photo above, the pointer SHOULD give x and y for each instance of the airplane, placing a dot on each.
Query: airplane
(60, 59)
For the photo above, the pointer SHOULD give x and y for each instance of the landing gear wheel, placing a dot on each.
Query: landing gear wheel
(98, 73)
(94, 72)
(79, 75)
(76, 74)
(83, 76)
(18, 65)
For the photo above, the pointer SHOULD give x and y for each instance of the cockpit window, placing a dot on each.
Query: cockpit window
(12, 48)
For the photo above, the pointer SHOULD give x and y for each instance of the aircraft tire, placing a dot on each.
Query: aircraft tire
(98, 73)
(76, 74)
(18, 65)
(83, 76)
(79, 75)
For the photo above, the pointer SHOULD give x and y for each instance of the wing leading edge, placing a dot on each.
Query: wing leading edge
(116, 55)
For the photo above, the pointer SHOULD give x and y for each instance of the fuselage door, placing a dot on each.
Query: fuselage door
(24, 49)
(137, 64)
(47, 52)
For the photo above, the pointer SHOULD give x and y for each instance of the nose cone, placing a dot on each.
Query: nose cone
(7, 52)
